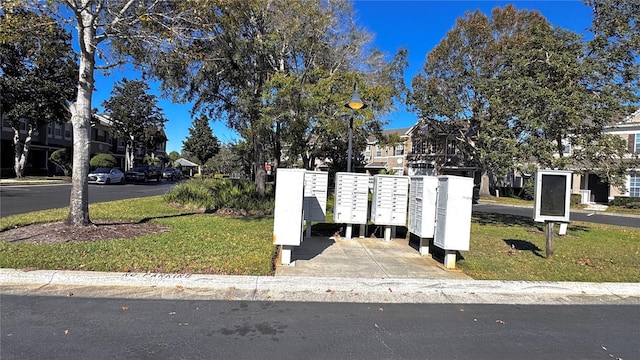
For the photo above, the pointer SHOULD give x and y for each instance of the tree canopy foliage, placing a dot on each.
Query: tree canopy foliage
(201, 143)
(37, 67)
(135, 117)
(512, 89)
(277, 71)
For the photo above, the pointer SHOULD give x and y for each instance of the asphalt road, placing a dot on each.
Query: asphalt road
(20, 199)
(594, 217)
(35, 327)
(23, 199)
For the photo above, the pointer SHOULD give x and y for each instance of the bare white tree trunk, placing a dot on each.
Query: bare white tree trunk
(129, 154)
(484, 184)
(21, 150)
(81, 121)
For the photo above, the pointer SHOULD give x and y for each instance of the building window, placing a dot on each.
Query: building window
(566, 146)
(57, 131)
(50, 130)
(637, 147)
(101, 136)
(67, 131)
(23, 125)
(5, 124)
(451, 146)
(399, 150)
(378, 151)
(634, 188)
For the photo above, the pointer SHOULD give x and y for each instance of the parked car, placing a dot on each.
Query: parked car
(143, 173)
(172, 174)
(106, 176)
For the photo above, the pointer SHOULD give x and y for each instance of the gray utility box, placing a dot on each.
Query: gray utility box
(389, 204)
(422, 205)
(453, 213)
(287, 215)
(351, 198)
(315, 195)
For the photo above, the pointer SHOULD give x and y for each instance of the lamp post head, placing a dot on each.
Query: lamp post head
(355, 103)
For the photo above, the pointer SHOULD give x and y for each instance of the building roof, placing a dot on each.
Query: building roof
(185, 162)
(376, 165)
(633, 118)
(402, 132)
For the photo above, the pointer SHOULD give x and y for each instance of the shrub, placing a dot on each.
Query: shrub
(103, 160)
(63, 158)
(633, 205)
(623, 201)
(527, 192)
(576, 199)
(216, 194)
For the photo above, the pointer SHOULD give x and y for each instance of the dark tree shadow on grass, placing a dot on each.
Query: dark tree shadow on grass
(484, 218)
(147, 219)
(522, 245)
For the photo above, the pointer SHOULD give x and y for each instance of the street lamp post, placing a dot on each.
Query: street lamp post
(354, 104)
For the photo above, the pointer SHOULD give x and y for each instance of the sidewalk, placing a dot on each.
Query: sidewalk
(39, 181)
(358, 270)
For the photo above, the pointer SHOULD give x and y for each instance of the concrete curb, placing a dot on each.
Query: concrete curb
(311, 289)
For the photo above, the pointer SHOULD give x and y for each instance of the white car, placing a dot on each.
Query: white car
(106, 176)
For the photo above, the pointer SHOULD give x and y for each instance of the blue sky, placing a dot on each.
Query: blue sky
(418, 25)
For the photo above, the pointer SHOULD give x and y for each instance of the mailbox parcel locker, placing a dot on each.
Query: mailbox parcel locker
(453, 213)
(351, 198)
(315, 195)
(552, 191)
(389, 203)
(287, 217)
(422, 205)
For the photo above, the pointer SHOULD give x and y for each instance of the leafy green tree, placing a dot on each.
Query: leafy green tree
(616, 37)
(172, 157)
(277, 71)
(227, 161)
(63, 158)
(201, 143)
(559, 98)
(457, 92)
(108, 32)
(135, 117)
(103, 160)
(512, 89)
(37, 69)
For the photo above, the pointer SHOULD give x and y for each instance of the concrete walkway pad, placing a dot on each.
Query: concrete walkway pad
(363, 258)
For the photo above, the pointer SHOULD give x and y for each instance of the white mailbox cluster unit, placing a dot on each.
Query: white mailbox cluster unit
(422, 209)
(351, 200)
(453, 216)
(315, 197)
(440, 208)
(389, 203)
(288, 212)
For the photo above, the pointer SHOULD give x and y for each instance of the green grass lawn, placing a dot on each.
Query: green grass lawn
(197, 243)
(513, 248)
(207, 243)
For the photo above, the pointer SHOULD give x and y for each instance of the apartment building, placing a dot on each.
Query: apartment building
(430, 151)
(600, 191)
(53, 136)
